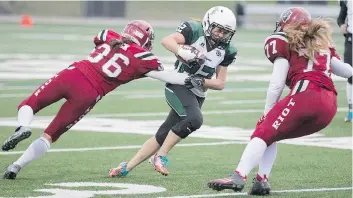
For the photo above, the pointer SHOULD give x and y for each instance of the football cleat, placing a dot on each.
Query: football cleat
(235, 182)
(119, 171)
(260, 186)
(21, 133)
(349, 117)
(160, 164)
(12, 171)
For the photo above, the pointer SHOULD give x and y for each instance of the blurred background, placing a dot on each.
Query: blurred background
(250, 13)
(66, 28)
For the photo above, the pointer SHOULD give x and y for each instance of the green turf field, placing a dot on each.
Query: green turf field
(316, 166)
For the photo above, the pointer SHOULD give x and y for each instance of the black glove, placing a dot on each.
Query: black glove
(194, 65)
(194, 81)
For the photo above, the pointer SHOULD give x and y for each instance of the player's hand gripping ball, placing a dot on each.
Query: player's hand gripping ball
(190, 56)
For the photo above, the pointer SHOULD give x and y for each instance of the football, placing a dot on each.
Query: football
(192, 50)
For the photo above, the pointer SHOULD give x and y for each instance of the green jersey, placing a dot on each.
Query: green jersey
(194, 36)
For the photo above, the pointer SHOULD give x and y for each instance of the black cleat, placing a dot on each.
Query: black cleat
(260, 188)
(12, 171)
(20, 134)
(235, 182)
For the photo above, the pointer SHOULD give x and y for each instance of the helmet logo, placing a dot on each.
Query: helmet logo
(138, 34)
(286, 16)
(214, 10)
(218, 53)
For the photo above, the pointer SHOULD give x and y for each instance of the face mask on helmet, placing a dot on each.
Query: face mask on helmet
(220, 35)
(149, 44)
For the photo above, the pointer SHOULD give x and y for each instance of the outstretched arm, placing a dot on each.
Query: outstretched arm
(277, 83)
(340, 68)
(168, 76)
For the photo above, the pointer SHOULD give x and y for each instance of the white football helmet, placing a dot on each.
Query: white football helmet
(223, 18)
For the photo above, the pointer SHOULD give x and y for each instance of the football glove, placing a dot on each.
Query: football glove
(194, 82)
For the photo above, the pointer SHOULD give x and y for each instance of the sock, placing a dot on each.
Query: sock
(267, 161)
(251, 156)
(25, 115)
(349, 96)
(37, 149)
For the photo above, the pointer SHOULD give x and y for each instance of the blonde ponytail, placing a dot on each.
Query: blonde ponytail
(313, 37)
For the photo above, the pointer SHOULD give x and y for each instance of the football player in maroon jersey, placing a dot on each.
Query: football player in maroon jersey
(116, 59)
(303, 58)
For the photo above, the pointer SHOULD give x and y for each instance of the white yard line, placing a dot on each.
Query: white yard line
(134, 92)
(219, 112)
(262, 63)
(126, 147)
(15, 95)
(230, 102)
(274, 191)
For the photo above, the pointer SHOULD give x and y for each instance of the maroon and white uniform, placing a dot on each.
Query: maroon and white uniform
(311, 104)
(107, 69)
(85, 82)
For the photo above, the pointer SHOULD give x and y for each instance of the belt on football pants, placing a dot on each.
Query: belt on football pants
(300, 86)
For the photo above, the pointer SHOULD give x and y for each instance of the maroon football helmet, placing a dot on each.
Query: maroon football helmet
(139, 32)
(293, 15)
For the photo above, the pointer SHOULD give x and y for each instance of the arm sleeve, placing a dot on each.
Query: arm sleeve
(277, 83)
(105, 36)
(148, 62)
(230, 57)
(186, 30)
(341, 19)
(168, 77)
(340, 68)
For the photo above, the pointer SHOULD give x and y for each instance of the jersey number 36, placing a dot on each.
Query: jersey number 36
(110, 66)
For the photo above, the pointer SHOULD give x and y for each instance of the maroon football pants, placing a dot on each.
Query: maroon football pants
(305, 110)
(80, 97)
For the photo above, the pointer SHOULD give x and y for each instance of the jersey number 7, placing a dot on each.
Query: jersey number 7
(267, 48)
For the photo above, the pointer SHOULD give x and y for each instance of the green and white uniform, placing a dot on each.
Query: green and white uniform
(194, 36)
(185, 115)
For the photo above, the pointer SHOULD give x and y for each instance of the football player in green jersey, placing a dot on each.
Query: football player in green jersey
(211, 39)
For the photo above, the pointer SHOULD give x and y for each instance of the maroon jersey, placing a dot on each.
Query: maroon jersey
(301, 68)
(106, 68)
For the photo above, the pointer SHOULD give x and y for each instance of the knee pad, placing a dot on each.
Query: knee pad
(350, 80)
(161, 135)
(185, 127)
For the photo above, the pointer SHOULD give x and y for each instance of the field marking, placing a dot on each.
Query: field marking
(150, 91)
(148, 127)
(14, 95)
(219, 112)
(274, 191)
(126, 147)
(12, 68)
(82, 37)
(148, 114)
(230, 102)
